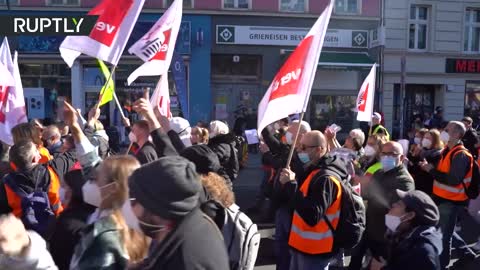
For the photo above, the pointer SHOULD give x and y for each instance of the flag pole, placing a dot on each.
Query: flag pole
(114, 94)
(292, 148)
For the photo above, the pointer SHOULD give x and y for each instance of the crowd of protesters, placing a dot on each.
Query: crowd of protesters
(69, 202)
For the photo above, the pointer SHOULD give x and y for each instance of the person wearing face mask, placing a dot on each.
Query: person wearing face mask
(277, 159)
(313, 197)
(168, 211)
(52, 138)
(381, 193)
(430, 150)
(452, 176)
(414, 241)
(140, 135)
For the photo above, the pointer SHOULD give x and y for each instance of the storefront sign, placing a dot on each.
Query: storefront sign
(287, 36)
(462, 65)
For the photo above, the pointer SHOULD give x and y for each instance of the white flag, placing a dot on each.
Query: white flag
(109, 35)
(290, 89)
(156, 47)
(12, 102)
(365, 97)
(161, 96)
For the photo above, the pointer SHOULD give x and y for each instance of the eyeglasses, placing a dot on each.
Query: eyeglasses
(391, 154)
(305, 147)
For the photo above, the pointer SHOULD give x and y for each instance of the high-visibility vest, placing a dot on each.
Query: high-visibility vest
(377, 129)
(319, 238)
(45, 155)
(15, 201)
(373, 169)
(455, 192)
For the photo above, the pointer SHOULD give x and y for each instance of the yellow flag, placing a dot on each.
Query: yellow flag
(106, 94)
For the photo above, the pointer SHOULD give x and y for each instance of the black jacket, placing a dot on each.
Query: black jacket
(163, 144)
(67, 233)
(224, 147)
(418, 250)
(147, 153)
(195, 244)
(423, 180)
(469, 140)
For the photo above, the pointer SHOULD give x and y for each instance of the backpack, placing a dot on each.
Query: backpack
(473, 190)
(37, 213)
(352, 222)
(242, 239)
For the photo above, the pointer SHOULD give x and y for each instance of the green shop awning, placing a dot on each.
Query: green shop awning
(341, 60)
(345, 60)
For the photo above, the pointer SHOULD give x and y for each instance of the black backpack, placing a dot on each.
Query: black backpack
(352, 222)
(473, 190)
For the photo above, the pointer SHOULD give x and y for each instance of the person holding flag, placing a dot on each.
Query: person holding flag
(377, 128)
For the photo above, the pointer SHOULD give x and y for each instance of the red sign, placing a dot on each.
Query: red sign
(111, 14)
(163, 48)
(287, 80)
(463, 65)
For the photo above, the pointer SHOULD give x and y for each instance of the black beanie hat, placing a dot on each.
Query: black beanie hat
(168, 187)
(203, 157)
(425, 209)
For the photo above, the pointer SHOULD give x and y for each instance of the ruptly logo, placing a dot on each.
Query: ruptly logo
(47, 25)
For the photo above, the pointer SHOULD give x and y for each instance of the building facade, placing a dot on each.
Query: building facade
(432, 59)
(231, 50)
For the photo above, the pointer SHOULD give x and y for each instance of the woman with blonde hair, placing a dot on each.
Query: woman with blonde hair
(199, 135)
(31, 132)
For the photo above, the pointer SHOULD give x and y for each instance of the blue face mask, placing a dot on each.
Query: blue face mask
(388, 163)
(304, 158)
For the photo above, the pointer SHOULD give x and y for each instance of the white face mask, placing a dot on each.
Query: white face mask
(426, 143)
(370, 151)
(289, 138)
(444, 137)
(132, 138)
(417, 140)
(392, 222)
(91, 194)
(130, 217)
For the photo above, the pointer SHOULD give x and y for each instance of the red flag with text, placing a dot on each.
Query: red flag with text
(366, 96)
(156, 47)
(290, 89)
(110, 34)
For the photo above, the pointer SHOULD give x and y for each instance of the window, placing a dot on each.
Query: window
(63, 2)
(293, 5)
(239, 67)
(347, 6)
(418, 28)
(240, 4)
(186, 3)
(472, 30)
(12, 2)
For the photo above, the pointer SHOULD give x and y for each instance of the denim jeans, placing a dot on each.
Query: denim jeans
(448, 218)
(283, 223)
(300, 261)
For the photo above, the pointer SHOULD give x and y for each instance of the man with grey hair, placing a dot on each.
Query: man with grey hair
(53, 139)
(452, 176)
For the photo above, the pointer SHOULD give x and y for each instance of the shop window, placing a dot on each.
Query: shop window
(186, 3)
(63, 2)
(236, 67)
(472, 101)
(237, 4)
(293, 5)
(472, 30)
(49, 76)
(418, 27)
(12, 2)
(333, 109)
(347, 6)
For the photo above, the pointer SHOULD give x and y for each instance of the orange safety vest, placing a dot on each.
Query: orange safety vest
(44, 154)
(319, 238)
(456, 192)
(15, 201)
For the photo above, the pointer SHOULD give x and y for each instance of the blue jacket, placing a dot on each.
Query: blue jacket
(418, 250)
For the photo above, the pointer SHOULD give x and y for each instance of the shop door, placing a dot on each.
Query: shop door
(419, 102)
(229, 98)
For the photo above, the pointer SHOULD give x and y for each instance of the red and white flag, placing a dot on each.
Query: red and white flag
(366, 97)
(290, 89)
(109, 35)
(156, 47)
(12, 102)
(161, 96)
